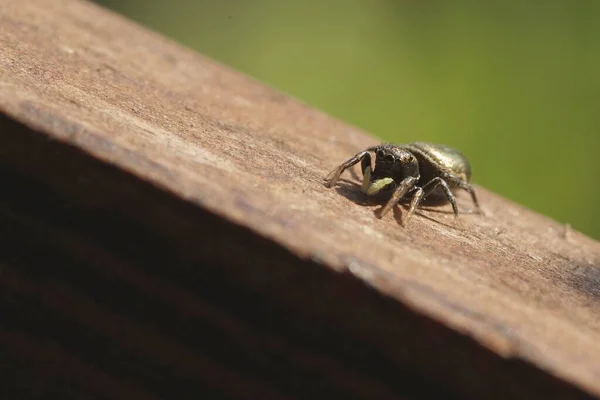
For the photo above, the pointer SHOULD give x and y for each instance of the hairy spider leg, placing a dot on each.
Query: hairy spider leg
(465, 186)
(414, 203)
(399, 193)
(334, 175)
(434, 183)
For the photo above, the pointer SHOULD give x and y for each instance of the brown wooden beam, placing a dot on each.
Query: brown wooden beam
(165, 233)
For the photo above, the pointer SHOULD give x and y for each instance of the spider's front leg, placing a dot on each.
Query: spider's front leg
(363, 156)
(414, 203)
(399, 193)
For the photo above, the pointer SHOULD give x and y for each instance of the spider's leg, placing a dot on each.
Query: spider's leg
(433, 184)
(334, 175)
(399, 193)
(414, 203)
(465, 186)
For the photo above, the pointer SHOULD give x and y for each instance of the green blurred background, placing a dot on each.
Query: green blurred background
(514, 84)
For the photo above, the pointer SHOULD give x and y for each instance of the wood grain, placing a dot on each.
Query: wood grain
(166, 233)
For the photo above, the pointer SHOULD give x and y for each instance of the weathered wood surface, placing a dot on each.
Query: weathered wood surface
(166, 231)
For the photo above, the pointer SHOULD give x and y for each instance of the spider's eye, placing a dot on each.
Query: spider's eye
(389, 158)
(379, 153)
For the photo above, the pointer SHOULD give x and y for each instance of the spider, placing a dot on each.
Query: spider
(411, 171)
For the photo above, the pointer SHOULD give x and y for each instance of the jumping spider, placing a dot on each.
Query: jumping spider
(412, 171)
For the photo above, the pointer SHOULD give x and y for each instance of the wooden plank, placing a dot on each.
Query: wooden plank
(166, 232)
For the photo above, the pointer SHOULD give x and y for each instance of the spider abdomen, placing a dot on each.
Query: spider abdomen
(439, 160)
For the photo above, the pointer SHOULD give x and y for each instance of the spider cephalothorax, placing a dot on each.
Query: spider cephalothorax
(412, 171)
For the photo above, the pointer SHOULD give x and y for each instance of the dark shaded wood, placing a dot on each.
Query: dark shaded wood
(166, 234)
